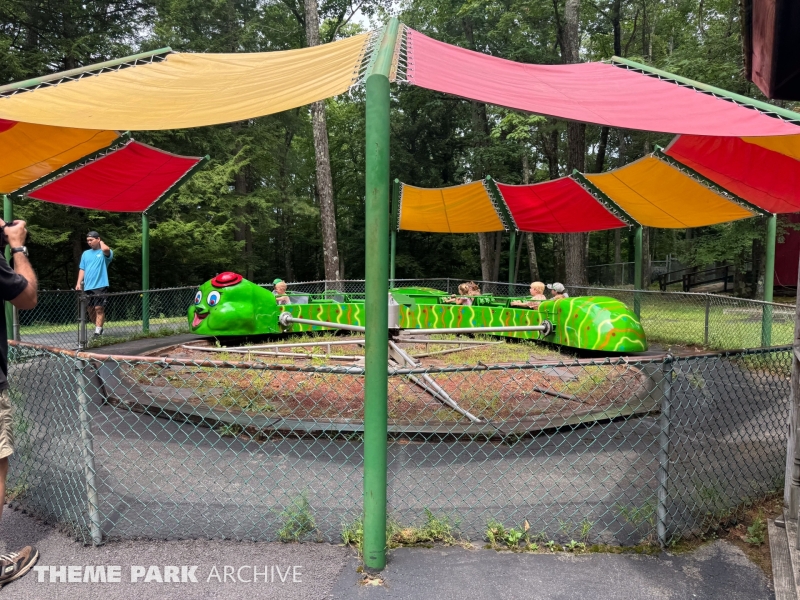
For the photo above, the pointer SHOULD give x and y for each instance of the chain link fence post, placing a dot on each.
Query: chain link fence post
(663, 450)
(766, 326)
(15, 325)
(705, 328)
(82, 312)
(87, 439)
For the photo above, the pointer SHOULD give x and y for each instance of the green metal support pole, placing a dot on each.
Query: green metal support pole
(145, 273)
(769, 279)
(512, 254)
(376, 380)
(393, 228)
(8, 216)
(637, 272)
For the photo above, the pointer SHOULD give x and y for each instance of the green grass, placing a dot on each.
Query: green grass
(298, 520)
(729, 328)
(38, 328)
(107, 340)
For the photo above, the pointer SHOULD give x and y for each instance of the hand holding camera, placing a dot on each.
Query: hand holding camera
(13, 233)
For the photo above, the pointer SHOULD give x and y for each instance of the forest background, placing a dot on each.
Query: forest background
(283, 195)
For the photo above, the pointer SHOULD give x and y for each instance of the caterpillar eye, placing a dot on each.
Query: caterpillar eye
(198, 297)
(213, 299)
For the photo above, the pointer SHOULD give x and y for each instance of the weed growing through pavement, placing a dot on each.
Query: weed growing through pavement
(641, 515)
(298, 520)
(574, 546)
(756, 533)
(586, 528)
(436, 529)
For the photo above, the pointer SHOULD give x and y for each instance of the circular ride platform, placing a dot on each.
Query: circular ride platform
(499, 389)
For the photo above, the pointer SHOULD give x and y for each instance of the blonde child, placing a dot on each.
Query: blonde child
(464, 290)
(537, 295)
(280, 291)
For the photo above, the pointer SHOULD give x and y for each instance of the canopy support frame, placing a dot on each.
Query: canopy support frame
(762, 107)
(146, 238)
(118, 143)
(769, 281)
(376, 377)
(393, 226)
(8, 216)
(637, 272)
(89, 70)
(596, 193)
(711, 185)
(510, 224)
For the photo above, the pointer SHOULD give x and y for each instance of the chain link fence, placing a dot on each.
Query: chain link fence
(683, 318)
(709, 320)
(615, 450)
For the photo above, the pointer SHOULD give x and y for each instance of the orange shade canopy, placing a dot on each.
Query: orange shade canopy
(656, 194)
(459, 209)
(30, 152)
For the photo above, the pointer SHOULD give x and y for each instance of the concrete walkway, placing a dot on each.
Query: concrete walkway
(716, 571)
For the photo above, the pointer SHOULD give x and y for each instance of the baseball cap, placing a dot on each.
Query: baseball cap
(556, 287)
(93, 234)
(277, 281)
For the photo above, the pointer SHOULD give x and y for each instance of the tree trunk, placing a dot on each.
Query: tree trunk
(758, 258)
(518, 260)
(615, 23)
(485, 241)
(327, 211)
(78, 243)
(498, 250)
(574, 243)
(243, 232)
(600, 160)
(621, 149)
(645, 257)
(534, 264)
(558, 258)
(287, 217)
(288, 263)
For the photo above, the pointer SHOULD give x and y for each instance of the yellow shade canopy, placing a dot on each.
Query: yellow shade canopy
(458, 209)
(788, 145)
(192, 90)
(32, 151)
(656, 194)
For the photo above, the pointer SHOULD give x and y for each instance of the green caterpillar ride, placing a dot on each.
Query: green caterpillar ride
(229, 305)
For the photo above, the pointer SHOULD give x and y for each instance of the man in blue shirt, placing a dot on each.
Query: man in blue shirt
(93, 278)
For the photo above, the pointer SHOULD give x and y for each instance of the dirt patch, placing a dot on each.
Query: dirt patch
(747, 531)
(510, 394)
(769, 508)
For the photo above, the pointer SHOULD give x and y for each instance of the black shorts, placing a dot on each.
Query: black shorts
(97, 296)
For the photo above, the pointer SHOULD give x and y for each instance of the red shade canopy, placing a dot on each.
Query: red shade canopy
(130, 179)
(590, 92)
(768, 179)
(558, 206)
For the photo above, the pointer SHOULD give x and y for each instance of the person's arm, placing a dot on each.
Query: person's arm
(25, 298)
(79, 285)
(106, 250)
(28, 297)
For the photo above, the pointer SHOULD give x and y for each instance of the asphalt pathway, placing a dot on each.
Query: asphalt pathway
(716, 571)
(160, 478)
(323, 571)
